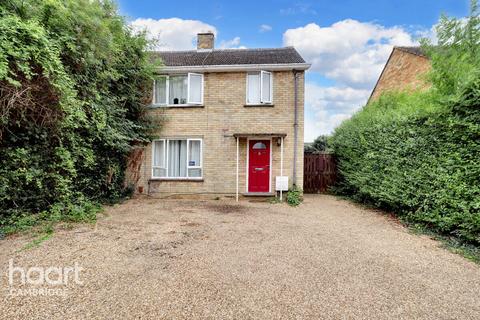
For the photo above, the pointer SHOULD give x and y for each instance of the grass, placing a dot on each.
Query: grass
(452, 244)
(37, 241)
(44, 233)
(42, 226)
(274, 200)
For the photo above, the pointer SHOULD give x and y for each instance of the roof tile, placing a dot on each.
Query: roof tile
(413, 50)
(229, 57)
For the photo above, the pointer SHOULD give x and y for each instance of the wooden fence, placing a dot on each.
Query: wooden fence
(320, 172)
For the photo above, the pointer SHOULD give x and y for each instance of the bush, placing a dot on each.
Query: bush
(294, 197)
(73, 80)
(418, 154)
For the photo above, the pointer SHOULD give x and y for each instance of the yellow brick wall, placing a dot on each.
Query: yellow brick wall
(403, 71)
(224, 113)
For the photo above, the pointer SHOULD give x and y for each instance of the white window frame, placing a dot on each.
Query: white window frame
(165, 159)
(154, 102)
(189, 77)
(268, 101)
(167, 93)
(260, 74)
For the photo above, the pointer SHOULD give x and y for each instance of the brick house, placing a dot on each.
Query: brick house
(232, 122)
(403, 70)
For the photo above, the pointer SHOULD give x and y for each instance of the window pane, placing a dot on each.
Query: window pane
(194, 173)
(253, 95)
(259, 146)
(159, 172)
(160, 90)
(177, 158)
(158, 157)
(266, 78)
(195, 88)
(194, 153)
(178, 90)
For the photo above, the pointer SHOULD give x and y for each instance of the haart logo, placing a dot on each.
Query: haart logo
(41, 280)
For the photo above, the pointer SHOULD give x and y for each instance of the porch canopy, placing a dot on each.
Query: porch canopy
(237, 136)
(256, 135)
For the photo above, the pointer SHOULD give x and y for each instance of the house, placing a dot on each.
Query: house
(232, 121)
(403, 70)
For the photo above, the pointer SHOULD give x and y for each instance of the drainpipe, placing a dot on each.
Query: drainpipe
(236, 194)
(295, 126)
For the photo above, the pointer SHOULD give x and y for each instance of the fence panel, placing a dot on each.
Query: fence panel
(320, 172)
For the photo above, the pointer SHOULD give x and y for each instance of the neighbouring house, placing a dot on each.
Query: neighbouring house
(404, 70)
(232, 121)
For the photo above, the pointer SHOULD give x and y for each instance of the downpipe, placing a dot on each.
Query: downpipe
(295, 126)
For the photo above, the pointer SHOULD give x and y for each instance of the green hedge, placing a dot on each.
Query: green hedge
(415, 157)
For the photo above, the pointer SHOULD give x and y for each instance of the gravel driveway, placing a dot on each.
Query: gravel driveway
(184, 259)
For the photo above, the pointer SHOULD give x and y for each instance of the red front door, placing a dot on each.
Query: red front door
(259, 166)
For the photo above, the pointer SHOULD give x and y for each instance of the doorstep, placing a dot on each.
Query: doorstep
(258, 194)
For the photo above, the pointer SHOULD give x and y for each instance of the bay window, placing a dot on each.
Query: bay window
(259, 88)
(177, 158)
(179, 90)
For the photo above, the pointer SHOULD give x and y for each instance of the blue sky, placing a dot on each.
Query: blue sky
(347, 41)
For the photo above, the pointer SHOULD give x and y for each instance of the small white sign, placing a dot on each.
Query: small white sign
(281, 183)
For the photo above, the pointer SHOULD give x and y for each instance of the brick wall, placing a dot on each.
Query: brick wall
(403, 70)
(224, 113)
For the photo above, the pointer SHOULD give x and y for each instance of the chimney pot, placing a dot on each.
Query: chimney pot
(205, 41)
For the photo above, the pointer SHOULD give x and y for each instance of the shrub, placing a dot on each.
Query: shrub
(294, 197)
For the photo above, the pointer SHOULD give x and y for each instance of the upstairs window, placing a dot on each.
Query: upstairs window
(178, 90)
(259, 88)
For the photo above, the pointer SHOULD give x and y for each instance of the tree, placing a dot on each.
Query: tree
(74, 80)
(455, 58)
(320, 144)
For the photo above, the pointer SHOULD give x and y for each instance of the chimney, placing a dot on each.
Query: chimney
(205, 41)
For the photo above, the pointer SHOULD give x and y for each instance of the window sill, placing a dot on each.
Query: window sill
(264, 105)
(171, 106)
(178, 179)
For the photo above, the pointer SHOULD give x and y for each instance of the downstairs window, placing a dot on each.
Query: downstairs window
(177, 158)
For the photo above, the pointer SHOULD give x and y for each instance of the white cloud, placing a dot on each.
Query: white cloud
(322, 124)
(350, 52)
(172, 33)
(265, 28)
(231, 44)
(329, 106)
(335, 98)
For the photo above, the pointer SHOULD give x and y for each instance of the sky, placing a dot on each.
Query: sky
(346, 41)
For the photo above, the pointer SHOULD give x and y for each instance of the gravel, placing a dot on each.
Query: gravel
(185, 259)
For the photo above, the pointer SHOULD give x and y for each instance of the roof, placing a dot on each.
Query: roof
(413, 50)
(225, 57)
